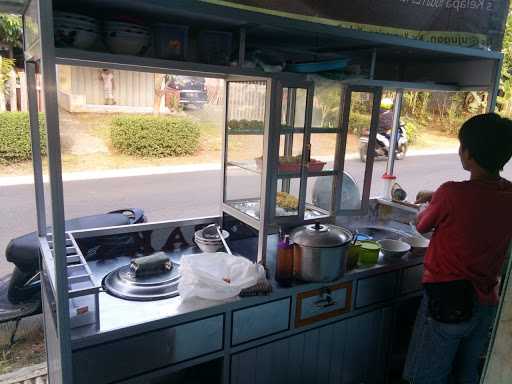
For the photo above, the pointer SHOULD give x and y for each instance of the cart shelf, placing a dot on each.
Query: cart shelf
(70, 56)
(252, 167)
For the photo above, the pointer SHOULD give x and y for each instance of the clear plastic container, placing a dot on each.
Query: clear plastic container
(215, 47)
(170, 41)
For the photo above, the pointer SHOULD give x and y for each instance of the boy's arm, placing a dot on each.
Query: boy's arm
(437, 210)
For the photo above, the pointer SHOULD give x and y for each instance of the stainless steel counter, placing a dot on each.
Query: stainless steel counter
(122, 318)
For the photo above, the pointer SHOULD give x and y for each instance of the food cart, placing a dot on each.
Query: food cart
(103, 329)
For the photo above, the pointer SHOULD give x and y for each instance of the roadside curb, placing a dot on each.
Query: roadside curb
(7, 181)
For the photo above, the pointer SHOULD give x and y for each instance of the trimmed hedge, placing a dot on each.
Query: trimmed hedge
(154, 136)
(15, 143)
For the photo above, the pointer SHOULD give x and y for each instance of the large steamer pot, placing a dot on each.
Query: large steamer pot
(320, 252)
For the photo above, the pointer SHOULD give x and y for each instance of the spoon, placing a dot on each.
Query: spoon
(223, 241)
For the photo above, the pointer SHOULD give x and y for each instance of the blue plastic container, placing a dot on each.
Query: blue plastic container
(321, 66)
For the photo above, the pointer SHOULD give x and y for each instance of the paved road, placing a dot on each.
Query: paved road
(187, 194)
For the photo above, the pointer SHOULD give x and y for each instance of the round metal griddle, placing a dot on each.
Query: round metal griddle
(123, 283)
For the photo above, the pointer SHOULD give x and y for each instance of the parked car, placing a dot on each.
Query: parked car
(191, 91)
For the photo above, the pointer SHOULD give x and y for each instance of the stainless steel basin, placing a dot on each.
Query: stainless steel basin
(379, 233)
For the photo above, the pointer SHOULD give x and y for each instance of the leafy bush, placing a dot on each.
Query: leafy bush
(154, 136)
(411, 130)
(15, 143)
(359, 123)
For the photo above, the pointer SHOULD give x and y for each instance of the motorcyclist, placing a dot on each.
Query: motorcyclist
(386, 121)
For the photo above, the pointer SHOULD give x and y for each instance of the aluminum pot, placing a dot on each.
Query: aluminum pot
(320, 252)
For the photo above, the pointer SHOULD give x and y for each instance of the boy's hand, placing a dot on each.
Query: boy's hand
(424, 197)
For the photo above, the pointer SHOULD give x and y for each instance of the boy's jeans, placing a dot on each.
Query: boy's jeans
(439, 350)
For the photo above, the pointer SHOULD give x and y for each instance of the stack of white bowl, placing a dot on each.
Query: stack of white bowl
(126, 38)
(208, 241)
(75, 30)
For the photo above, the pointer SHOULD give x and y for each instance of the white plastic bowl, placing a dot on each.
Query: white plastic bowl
(394, 249)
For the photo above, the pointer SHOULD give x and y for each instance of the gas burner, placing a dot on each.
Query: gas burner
(123, 283)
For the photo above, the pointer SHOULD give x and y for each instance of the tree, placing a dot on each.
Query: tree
(11, 31)
(506, 70)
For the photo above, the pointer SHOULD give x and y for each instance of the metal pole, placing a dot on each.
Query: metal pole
(372, 66)
(494, 89)
(268, 174)
(57, 196)
(30, 70)
(291, 104)
(241, 47)
(394, 132)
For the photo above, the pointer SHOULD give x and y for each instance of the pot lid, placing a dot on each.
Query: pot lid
(123, 283)
(321, 235)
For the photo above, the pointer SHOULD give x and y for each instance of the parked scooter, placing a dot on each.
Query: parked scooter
(383, 144)
(23, 252)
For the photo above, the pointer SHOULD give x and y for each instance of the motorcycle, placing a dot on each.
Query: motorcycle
(24, 285)
(383, 144)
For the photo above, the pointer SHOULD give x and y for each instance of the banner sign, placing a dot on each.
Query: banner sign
(468, 23)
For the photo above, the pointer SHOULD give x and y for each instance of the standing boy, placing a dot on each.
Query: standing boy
(472, 224)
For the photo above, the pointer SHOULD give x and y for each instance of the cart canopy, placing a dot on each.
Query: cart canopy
(468, 23)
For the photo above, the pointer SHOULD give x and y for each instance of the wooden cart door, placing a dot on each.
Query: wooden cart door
(360, 122)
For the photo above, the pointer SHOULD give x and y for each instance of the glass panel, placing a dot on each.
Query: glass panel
(318, 196)
(245, 126)
(294, 117)
(326, 105)
(243, 190)
(290, 154)
(357, 145)
(287, 198)
(291, 149)
(31, 29)
(323, 150)
(300, 108)
(291, 143)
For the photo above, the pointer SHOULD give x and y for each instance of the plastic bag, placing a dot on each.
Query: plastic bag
(216, 276)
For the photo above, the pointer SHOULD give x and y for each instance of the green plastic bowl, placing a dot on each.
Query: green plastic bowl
(369, 253)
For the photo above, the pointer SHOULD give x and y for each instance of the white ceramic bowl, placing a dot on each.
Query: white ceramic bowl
(76, 23)
(209, 247)
(74, 16)
(419, 245)
(199, 237)
(76, 37)
(114, 25)
(126, 45)
(394, 249)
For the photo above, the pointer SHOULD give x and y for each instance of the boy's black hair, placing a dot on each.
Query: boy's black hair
(488, 138)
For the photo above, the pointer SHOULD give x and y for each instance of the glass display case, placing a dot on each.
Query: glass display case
(279, 169)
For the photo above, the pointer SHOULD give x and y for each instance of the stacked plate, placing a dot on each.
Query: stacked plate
(75, 30)
(208, 239)
(126, 38)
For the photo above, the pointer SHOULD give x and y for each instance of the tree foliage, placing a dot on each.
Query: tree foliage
(6, 66)
(11, 30)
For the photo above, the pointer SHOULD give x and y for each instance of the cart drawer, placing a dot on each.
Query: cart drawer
(323, 303)
(376, 289)
(260, 320)
(131, 356)
(411, 279)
